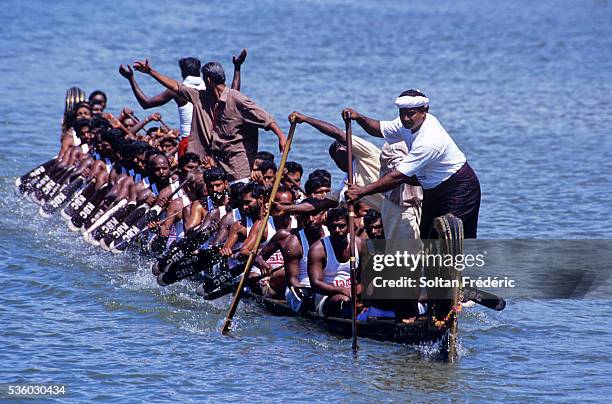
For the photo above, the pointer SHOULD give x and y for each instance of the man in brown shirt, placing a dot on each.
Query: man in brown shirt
(225, 122)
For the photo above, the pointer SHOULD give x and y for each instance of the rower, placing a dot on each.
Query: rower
(293, 178)
(372, 221)
(268, 170)
(294, 245)
(329, 266)
(274, 285)
(214, 206)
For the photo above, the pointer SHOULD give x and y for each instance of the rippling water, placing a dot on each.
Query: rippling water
(523, 87)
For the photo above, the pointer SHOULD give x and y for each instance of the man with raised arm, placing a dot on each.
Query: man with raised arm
(434, 161)
(366, 165)
(190, 72)
(225, 122)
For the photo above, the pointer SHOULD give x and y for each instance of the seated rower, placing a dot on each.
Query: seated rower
(294, 245)
(273, 282)
(214, 205)
(292, 178)
(329, 266)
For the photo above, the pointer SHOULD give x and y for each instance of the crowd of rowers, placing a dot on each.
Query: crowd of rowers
(195, 198)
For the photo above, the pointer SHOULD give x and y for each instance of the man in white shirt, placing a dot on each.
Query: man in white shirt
(434, 161)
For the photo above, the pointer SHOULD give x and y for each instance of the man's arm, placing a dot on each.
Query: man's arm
(139, 125)
(386, 183)
(372, 126)
(145, 102)
(144, 66)
(279, 134)
(196, 214)
(309, 205)
(238, 61)
(324, 127)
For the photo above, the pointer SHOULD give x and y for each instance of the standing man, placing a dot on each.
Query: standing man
(434, 161)
(190, 72)
(366, 165)
(225, 122)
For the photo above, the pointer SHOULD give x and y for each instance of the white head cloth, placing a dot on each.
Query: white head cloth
(408, 101)
(194, 82)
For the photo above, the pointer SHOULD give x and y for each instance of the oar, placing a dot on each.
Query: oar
(351, 208)
(295, 184)
(251, 259)
(180, 186)
(483, 298)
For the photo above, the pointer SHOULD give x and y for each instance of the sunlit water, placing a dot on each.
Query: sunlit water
(524, 88)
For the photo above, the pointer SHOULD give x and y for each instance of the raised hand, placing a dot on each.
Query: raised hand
(239, 60)
(128, 112)
(143, 66)
(349, 113)
(126, 71)
(296, 117)
(156, 116)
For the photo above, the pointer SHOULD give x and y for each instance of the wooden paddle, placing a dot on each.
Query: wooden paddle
(351, 208)
(251, 259)
(180, 186)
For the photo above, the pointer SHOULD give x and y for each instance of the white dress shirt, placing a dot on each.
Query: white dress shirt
(433, 155)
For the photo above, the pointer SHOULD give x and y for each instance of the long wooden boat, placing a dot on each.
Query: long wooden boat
(422, 331)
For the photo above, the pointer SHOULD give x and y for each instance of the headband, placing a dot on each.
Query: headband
(408, 101)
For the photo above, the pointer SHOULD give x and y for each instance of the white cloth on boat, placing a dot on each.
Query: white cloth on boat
(432, 156)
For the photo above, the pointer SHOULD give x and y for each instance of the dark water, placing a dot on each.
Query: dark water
(523, 87)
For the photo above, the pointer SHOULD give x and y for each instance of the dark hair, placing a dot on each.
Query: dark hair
(215, 174)
(337, 213)
(79, 123)
(264, 155)
(134, 148)
(320, 173)
(82, 104)
(98, 92)
(188, 158)
(315, 182)
(152, 129)
(190, 67)
(266, 165)
(294, 167)
(370, 217)
(333, 148)
(114, 137)
(415, 93)
(283, 188)
(235, 192)
(152, 154)
(253, 188)
(98, 122)
(214, 72)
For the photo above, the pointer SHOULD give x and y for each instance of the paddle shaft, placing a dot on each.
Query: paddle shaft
(295, 184)
(181, 185)
(262, 228)
(351, 209)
